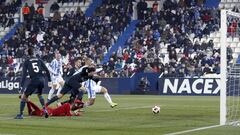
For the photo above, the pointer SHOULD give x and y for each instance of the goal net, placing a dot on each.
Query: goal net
(233, 93)
(230, 72)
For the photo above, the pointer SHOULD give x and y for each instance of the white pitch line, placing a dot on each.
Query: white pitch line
(193, 130)
(12, 118)
(126, 108)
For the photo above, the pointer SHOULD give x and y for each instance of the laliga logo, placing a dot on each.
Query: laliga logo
(9, 85)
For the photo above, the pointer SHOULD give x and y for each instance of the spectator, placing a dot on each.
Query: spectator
(141, 9)
(40, 9)
(148, 68)
(11, 72)
(32, 11)
(26, 12)
(207, 69)
(54, 7)
(155, 6)
(229, 53)
(144, 85)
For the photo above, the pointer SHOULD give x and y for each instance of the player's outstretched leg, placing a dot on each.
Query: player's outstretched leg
(43, 105)
(50, 94)
(22, 106)
(107, 97)
(55, 98)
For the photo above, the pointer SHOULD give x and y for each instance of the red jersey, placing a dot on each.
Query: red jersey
(64, 110)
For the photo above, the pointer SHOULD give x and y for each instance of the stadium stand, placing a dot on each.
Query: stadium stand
(164, 41)
(8, 15)
(167, 42)
(64, 6)
(73, 34)
(230, 4)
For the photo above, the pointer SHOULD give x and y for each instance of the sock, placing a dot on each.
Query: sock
(59, 89)
(41, 101)
(108, 98)
(55, 98)
(22, 105)
(50, 93)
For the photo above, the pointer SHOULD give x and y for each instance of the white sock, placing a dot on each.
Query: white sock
(59, 89)
(108, 98)
(50, 94)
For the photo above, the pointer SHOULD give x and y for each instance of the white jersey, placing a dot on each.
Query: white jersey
(56, 67)
(56, 71)
(92, 88)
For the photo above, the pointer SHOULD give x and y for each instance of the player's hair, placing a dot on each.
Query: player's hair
(76, 59)
(91, 69)
(30, 51)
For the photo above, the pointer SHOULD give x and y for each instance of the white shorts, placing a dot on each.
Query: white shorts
(92, 88)
(56, 79)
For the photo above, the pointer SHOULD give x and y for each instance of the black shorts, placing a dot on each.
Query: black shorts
(72, 86)
(35, 84)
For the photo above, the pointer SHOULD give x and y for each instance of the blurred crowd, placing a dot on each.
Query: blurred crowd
(74, 34)
(177, 28)
(7, 11)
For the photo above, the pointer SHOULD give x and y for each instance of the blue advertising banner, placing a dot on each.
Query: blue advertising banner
(189, 86)
(114, 85)
(12, 85)
(9, 85)
(161, 86)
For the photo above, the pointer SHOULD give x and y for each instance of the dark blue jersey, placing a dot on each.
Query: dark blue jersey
(34, 67)
(81, 76)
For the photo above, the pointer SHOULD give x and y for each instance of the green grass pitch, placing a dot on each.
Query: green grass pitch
(133, 116)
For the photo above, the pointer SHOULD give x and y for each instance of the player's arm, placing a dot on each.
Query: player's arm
(46, 70)
(98, 70)
(24, 73)
(70, 72)
(80, 70)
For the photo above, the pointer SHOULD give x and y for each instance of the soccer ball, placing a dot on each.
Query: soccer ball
(156, 109)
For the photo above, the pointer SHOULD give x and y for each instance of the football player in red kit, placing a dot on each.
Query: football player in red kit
(64, 110)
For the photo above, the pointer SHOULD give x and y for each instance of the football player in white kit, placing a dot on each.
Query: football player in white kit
(93, 86)
(56, 70)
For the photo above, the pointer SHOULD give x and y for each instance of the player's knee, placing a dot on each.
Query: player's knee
(61, 83)
(54, 86)
(104, 90)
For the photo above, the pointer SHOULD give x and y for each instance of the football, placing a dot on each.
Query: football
(156, 109)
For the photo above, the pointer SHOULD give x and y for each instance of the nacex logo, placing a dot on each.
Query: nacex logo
(191, 86)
